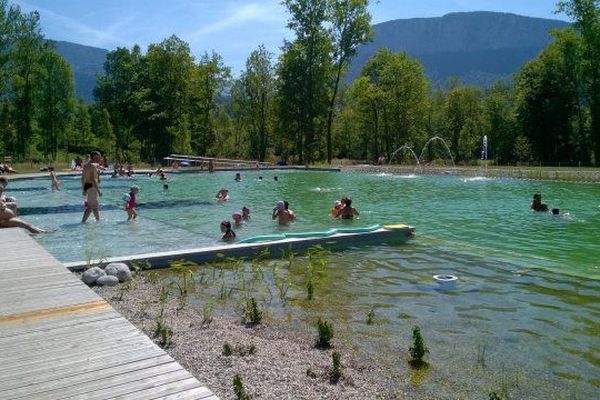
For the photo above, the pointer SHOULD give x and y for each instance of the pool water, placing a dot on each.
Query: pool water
(528, 289)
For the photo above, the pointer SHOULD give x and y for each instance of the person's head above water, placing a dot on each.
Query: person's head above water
(225, 226)
(135, 189)
(347, 201)
(95, 156)
(237, 216)
(280, 205)
(555, 211)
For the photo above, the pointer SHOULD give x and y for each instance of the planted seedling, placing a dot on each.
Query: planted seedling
(336, 372)
(325, 331)
(370, 316)
(252, 314)
(238, 388)
(418, 349)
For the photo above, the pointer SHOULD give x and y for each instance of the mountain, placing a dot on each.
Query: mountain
(86, 63)
(478, 47)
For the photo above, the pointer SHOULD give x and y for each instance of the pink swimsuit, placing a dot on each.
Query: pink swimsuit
(131, 203)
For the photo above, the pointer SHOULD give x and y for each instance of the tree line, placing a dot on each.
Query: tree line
(299, 107)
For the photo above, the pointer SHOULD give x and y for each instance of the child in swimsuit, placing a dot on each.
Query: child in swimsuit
(237, 218)
(222, 195)
(348, 212)
(228, 233)
(131, 203)
(56, 184)
(245, 213)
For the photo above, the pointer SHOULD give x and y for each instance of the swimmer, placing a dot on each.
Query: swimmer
(245, 213)
(131, 203)
(56, 184)
(228, 233)
(282, 213)
(337, 208)
(275, 179)
(536, 203)
(166, 186)
(237, 218)
(222, 195)
(348, 212)
(238, 177)
(260, 178)
(163, 176)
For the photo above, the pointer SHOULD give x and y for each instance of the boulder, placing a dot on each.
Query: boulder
(91, 275)
(119, 270)
(107, 280)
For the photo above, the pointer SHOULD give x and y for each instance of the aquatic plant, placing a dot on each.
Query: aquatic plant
(336, 372)
(481, 355)
(325, 331)
(227, 349)
(418, 349)
(252, 314)
(370, 316)
(238, 388)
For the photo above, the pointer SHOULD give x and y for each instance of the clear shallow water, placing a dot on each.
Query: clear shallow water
(528, 290)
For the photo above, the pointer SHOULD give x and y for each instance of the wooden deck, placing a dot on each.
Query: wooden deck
(59, 340)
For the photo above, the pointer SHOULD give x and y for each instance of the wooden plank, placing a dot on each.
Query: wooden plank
(58, 339)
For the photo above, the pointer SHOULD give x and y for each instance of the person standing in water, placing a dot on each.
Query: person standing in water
(131, 203)
(90, 183)
(348, 212)
(536, 203)
(56, 184)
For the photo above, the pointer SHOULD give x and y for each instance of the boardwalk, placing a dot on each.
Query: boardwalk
(59, 340)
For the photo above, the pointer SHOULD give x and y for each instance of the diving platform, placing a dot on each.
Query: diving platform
(59, 339)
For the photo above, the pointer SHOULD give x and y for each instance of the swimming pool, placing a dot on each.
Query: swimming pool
(488, 217)
(529, 283)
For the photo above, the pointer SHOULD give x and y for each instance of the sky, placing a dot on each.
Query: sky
(233, 28)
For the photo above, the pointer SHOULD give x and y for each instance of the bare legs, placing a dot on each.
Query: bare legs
(87, 212)
(19, 223)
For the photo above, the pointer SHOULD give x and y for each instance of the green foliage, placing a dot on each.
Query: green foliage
(336, 371)
(227, 349)
(310, 373)
(310, 290)
(238, 388)
(495, 396)
(252, 314)
(162, 330)
(325, 331)
(418, 349)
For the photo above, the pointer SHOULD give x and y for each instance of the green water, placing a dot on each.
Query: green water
(528, 289)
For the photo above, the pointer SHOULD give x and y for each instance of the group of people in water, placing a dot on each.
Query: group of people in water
(537, 205)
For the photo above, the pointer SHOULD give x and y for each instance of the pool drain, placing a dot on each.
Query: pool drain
(445, 281)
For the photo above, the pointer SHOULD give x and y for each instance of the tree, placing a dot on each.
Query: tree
(305, 71)
(464, 121)
(57, 98)
(103, 131)
(586, 14)
(351, 27)
(255, 99)
(25, 58)
(500, 121)
(209, 80)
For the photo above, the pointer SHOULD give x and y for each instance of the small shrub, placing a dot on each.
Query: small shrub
(325, 334)
(252, 314)
(370, 316)
(165, 336)
(418, 349)
(252, 349)
(495, 396)
(238, 388)
(310, 373)
(336, 372)
(310, 290)
(227, 349)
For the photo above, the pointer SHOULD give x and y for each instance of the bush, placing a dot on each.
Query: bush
(238, 388)
(418, 349)
(252, 314)
(325, 334)
(336, 372)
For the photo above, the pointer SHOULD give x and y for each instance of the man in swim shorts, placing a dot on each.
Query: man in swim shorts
(282, 213)
(91, 176)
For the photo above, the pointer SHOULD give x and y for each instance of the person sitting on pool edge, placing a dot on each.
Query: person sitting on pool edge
(348, 212)
(228, 233)
(536, 203)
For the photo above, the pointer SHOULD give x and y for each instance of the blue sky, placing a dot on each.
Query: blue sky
(231, 27)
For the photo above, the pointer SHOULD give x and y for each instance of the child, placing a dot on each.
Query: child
(91, 204)
(337, 208)
(245, 213)
(56, 184)
(237, 218)
(131, 202)
(228, 233)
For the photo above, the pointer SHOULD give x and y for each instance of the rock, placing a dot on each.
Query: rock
(119, 270)
(108, 280)
(91, 275)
